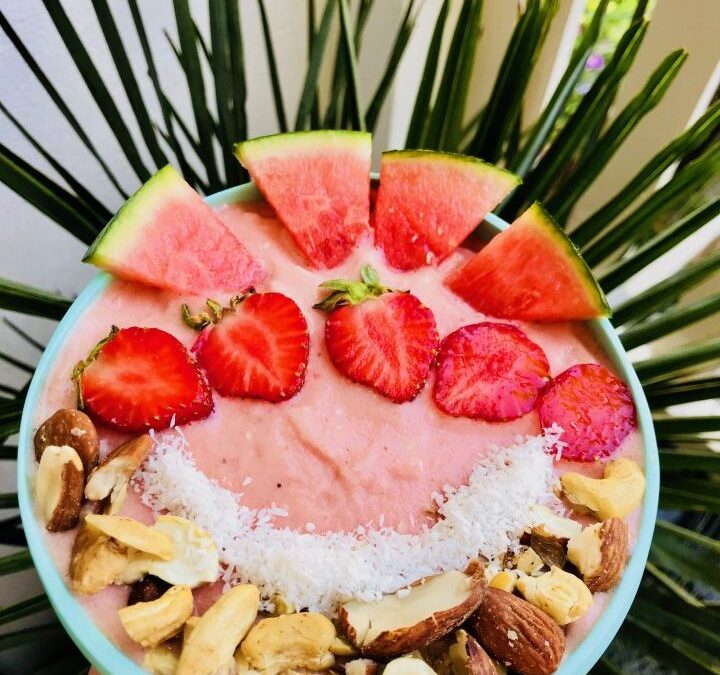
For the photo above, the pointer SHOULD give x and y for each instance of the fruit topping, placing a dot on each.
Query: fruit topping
(384, 339)
(616, 495)
(73, 428)
(142, 378)
(558, 593)
(531, 271)
(429, 202)
(594, 409)
(213, 640)
(318, 182)
(111, 478)
(59, 487)
(258, 349)
(165, 235)
(518, 634)
(428, 610)
(150, 623)
(284, 643)
(489, 371)
(600, 553)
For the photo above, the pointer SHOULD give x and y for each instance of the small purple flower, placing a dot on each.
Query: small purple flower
(595, 61)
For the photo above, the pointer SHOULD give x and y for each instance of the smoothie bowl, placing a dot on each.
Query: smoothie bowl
(290, 432)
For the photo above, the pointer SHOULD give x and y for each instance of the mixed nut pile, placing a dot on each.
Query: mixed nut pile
(491, 617)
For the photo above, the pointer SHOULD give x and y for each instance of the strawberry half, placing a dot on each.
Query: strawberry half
(383, 339)
(140, 378)
(258, 349)
(594, 408)
(489, 371)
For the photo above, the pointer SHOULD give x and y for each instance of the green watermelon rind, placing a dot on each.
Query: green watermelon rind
(474, 163)
(128, 222)
(318, 141)
(542, 219)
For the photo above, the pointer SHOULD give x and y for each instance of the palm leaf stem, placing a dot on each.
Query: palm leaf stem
(272, 67)
(59, 102)
(641, 220)
(47, 196)
(690, 140)
(647, 302)
(537, 138)
(95, 209)
(541, 179)
(96, 86)
(127, 77)
(667, 239)
(589, 168)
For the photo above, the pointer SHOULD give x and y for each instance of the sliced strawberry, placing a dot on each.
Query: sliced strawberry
(383, 339)
(258, 349)
(142, 378)
(490, 371)
(593, 407)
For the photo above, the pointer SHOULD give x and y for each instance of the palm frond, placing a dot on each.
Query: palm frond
(96, 86)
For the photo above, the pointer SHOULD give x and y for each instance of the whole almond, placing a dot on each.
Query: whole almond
(72, 428)
(59, 487)
(517, 633)
(600, 552)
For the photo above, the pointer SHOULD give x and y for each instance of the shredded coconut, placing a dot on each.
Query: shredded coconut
(316, 571)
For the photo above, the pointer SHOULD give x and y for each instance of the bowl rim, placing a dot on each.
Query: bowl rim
(110, 660)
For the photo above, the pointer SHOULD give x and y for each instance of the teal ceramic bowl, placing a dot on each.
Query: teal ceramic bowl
(111, 661)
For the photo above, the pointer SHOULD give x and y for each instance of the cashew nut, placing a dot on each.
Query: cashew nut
(560, 594)
(290, 641)
(212, 642)
(615, 495)
(150, 623)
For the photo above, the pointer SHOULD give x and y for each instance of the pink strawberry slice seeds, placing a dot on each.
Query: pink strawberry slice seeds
(489, 371)
(593, 407)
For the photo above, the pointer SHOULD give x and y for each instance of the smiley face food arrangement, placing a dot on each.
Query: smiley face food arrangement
(319, 430)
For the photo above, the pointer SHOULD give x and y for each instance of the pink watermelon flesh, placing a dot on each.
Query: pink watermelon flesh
(166, 236)
(429, 202)
(318, 182)
(532, 272)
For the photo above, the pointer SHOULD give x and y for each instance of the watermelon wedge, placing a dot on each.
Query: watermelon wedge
(318, 182)
(429, 202)
(165, 235)
(531, 271)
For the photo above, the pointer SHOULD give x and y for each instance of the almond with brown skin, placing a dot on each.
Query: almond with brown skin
(467, 657)
(600, 553)
(400, 623)
(112, 476)
(518, 634)
(59, 487)
(73, 428)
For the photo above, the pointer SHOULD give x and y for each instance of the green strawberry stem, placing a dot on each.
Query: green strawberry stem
(81, 365)
(214, 313)
(345, 292)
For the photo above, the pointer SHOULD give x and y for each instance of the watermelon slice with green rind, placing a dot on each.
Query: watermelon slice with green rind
(429, 202)
(531, 272)
(166, 236)
(318, 182)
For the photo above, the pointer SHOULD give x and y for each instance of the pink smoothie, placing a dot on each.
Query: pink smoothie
(337, 455)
